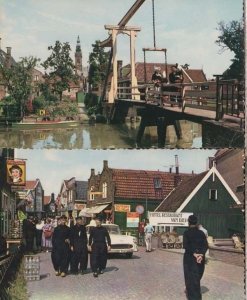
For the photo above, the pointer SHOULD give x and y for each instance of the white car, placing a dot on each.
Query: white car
(121, 244)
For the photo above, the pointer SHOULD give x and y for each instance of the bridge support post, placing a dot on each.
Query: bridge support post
(141, 130)
(178, 129)
(161, 131)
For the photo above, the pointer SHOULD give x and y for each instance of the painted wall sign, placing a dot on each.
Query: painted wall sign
(168, 218)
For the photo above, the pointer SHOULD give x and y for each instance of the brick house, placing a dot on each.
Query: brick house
(215, 196)
(114, 188)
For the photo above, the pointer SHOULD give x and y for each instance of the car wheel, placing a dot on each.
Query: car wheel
(129, 255)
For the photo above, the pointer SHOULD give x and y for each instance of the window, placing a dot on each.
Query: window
(157, 183)
(70, 196)
(91, 196)
(212, 195)
(36, 78)
(104, 190)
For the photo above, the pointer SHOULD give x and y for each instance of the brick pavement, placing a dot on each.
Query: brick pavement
(151, 276)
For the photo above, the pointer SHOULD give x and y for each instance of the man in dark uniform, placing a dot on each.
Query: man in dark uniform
(60, 247)
(29, 231)
(78, 246)
(98, 247)
(195, 245)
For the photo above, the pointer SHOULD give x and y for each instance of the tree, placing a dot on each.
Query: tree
(18, 80)
(232, 38)
(98, 60)
(60, 68)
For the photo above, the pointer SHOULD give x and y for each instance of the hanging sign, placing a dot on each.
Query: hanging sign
(16, 172)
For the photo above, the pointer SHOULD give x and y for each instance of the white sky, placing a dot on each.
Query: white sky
(54, 166)
(187, 28)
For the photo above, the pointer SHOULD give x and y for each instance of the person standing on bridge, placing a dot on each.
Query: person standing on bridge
(176, 76)
(195, 245)
(157, 80)
(98, 247)
(148, 230)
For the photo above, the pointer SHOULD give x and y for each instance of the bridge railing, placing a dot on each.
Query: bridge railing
(221, 96)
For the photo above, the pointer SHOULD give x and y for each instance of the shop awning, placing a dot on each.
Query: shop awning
(96, 209)
(83, 213)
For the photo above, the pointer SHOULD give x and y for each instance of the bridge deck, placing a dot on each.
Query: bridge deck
(188, 113)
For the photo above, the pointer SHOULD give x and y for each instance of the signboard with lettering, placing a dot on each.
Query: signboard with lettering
(168, 218)
(122, 207)
(132, 219)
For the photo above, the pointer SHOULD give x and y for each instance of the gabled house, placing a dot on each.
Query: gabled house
(114, 192)
(72, 197)
(209, 196)
(31, 197)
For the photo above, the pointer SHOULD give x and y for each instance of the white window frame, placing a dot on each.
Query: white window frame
(210, 194)
(91, 196)
(104, 190)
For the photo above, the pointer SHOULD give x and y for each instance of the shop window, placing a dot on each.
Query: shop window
(212, 195)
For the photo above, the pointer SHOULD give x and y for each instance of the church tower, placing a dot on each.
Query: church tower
(78, 58)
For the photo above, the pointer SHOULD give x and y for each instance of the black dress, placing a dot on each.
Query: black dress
(194, 241)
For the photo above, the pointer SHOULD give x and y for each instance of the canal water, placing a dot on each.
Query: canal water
(98, 136)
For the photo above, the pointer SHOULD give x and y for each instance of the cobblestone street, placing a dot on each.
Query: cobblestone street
(156, 275)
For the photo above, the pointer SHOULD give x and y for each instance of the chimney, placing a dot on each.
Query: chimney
(176, 164)
(92, 172)
(170, 170)
(210, 162)
(105, 164)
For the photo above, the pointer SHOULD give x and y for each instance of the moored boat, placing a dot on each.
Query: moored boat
(45, 124)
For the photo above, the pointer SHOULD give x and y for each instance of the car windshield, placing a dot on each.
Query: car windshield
(112, 229)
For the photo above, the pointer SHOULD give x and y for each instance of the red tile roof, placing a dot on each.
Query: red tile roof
(197, 75)
(136, 184)
(47, 200)
(30, 184)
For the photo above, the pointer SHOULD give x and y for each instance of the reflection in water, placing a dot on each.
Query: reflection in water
(98, 136)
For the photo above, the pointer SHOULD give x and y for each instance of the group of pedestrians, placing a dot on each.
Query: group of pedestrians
(37, 234)
(175, 77)
(70, 247)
